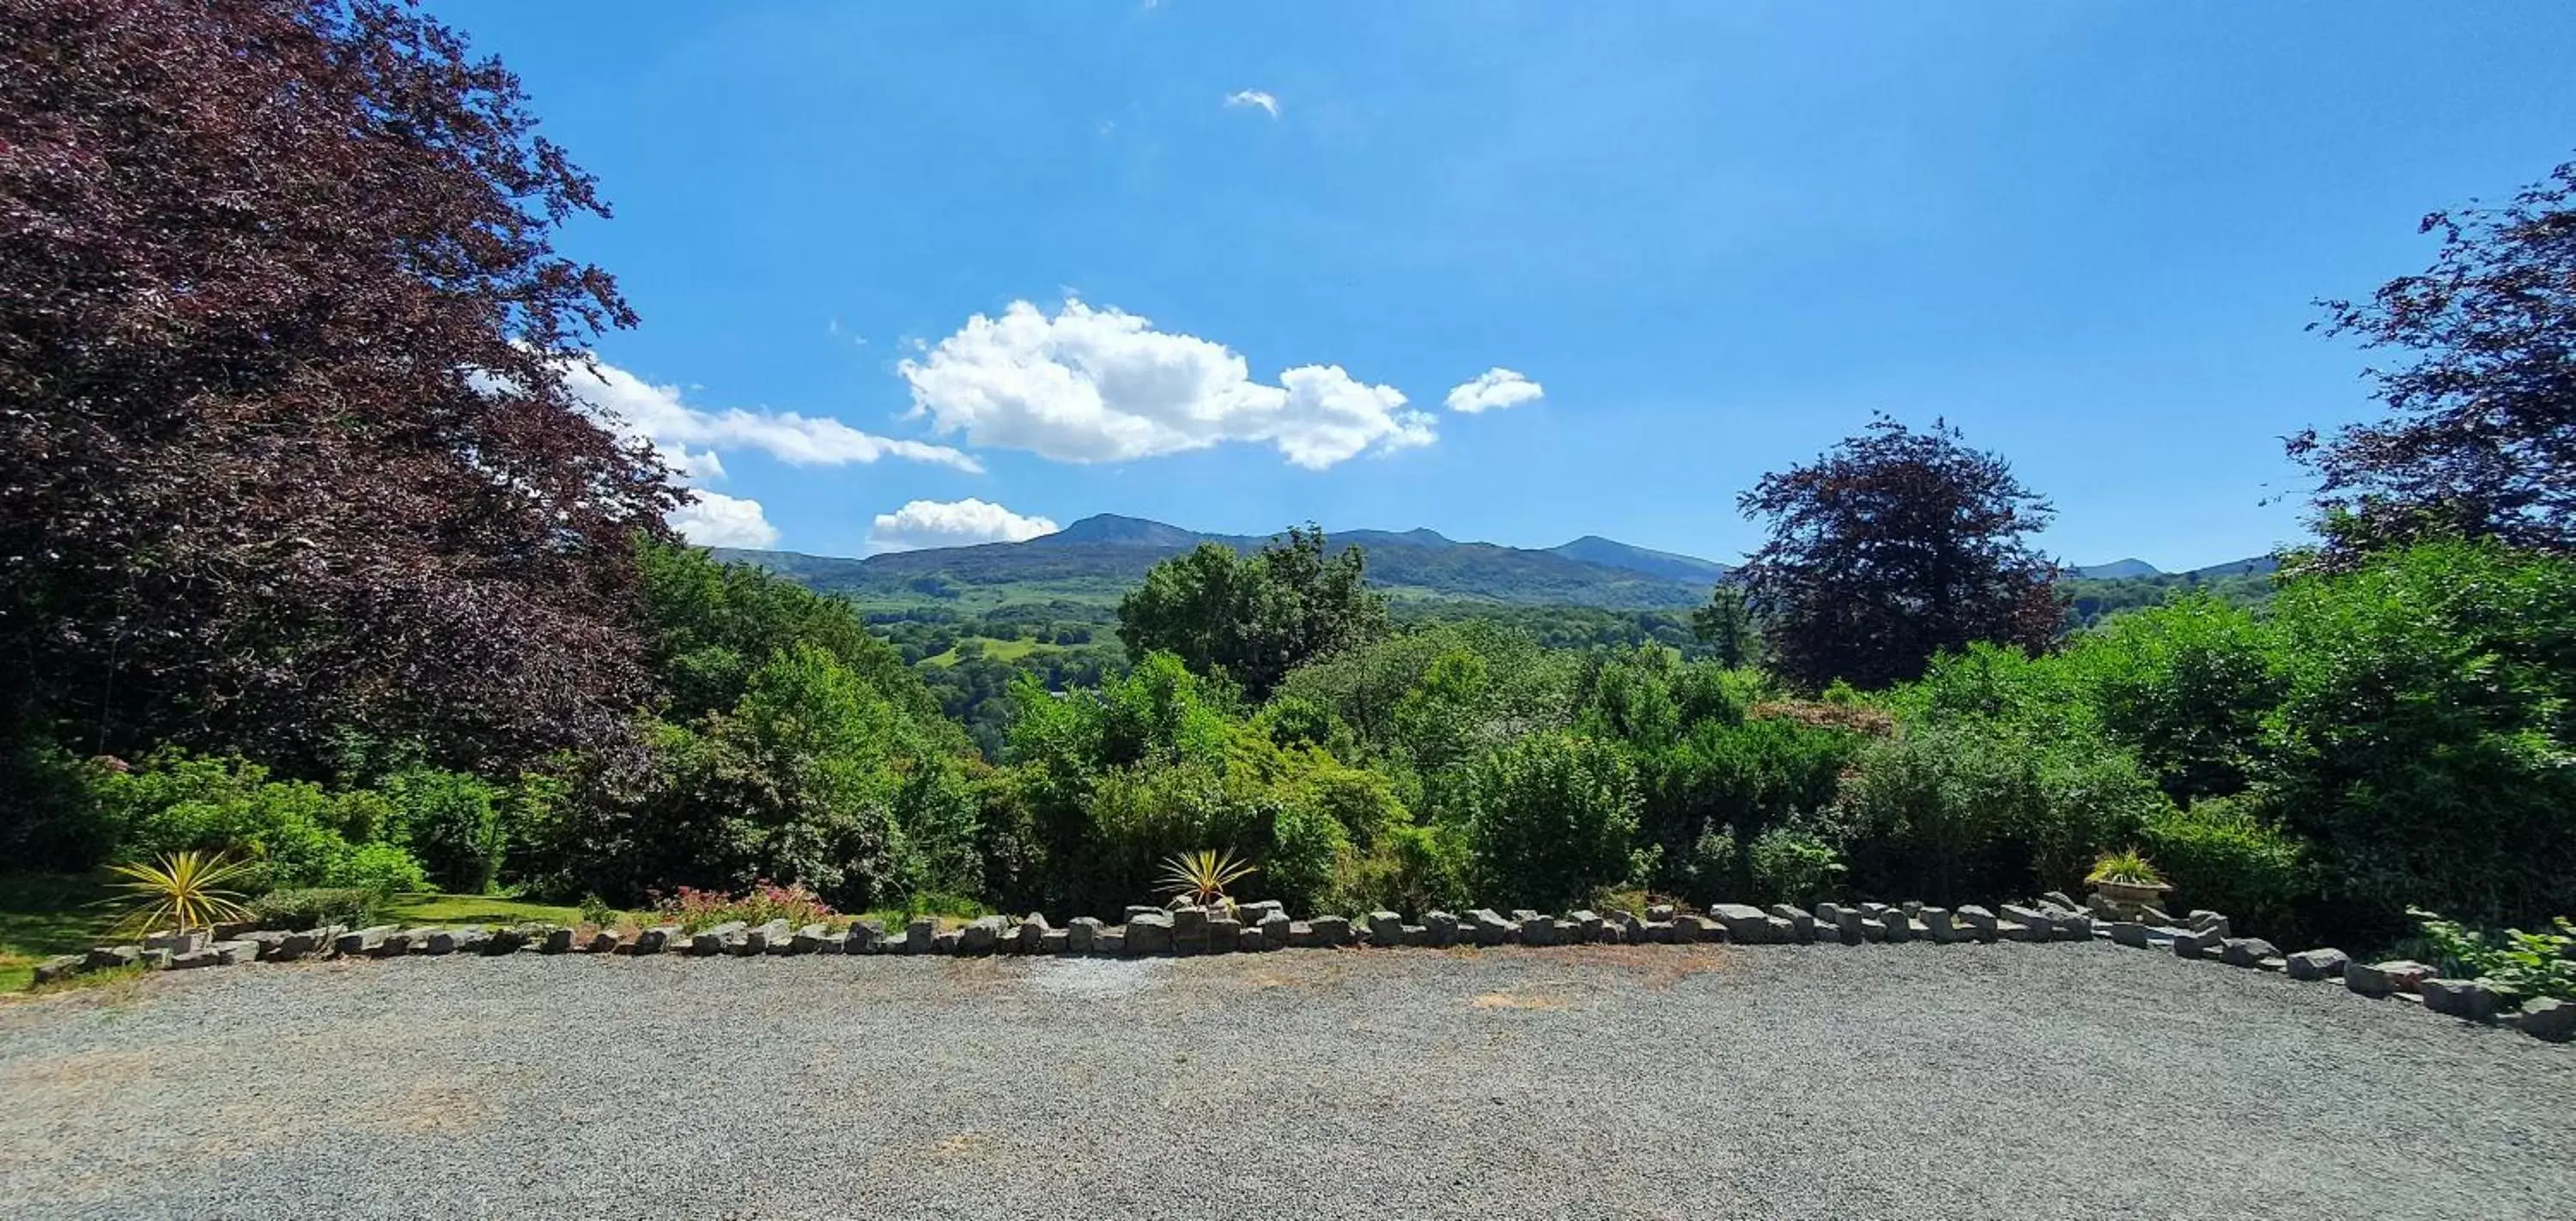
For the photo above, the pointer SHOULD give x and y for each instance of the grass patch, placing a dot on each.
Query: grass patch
(44, 914)
(426, 909)
(997, 650)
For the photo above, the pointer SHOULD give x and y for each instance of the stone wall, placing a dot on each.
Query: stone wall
(1267, 927)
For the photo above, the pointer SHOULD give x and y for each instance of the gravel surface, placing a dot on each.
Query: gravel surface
(1603, 1081)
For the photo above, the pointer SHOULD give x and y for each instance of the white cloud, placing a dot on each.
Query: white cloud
(954, 523)
(1254, 97)
(1102, 385)
(690, 436)
(1493, 390)
(718, 520)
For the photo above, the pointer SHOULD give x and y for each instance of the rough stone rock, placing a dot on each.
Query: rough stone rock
(558, 940)
(2197, 944)
(863, 936)
(2205, 921)
(2031, 917)
(981, 935)
(192, 959)
(1033, 931)
(605, 941)
(1895, 925)
(1488, 927)
(401, 941)
(1082, 935)
(1110, 941)
(1849, 924)
(235, 952)
(436, 941)
(156, 960)
(269, 939)
(1252, 914)
(1301, 936)
(1939, 926)
(1276, 932)
(63, 966)
(1587, 925)
(1151, 933)
(2074, 926)
(298, 944)
(2130, 933)
(1385, 929)
(920, 935)
(1802, 924)
(2317, 964)
(1743, 924)
(1052, 942)
(1981, 923)
(2246, 951)
(1538, 930)
(233, 930)
(505, 941)
(1659, 912)
(1782, 932)
(758, 938)
(1224, 934)
(716, 940)
(110, 957)
(473, 940)
(1440, 928)
(2015, 930)
(2383, 978)
(1829, 914)
(1189, 930)
(1331, 930)
(2549, 1018)
(2460, 998)
(945, 942)
(2060, 898)
(180, 942)
(1134, 910)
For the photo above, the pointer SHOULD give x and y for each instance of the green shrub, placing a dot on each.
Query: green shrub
(1791, 865)
(304, 908)
(2221, 854)
(452, 824)
(1955, 811)
(378, 869)
(2528, 964)
(176, 802)
(1554, 818)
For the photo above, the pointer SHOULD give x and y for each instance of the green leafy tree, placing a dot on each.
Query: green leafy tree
(1253, 618)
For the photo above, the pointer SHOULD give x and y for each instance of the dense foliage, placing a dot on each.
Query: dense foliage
(2480, 439)
(1891, 548)
(1253, 618)
(287, 449)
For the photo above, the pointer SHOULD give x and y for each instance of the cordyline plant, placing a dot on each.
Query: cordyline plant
(1201, 877)
(180, 891)
(289, 430)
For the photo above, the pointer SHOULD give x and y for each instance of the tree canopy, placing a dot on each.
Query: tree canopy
(1893, 547)
(1253, 618)
(287, 449)
(2480, 438)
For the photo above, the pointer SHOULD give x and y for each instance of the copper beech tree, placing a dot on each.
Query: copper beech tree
(1892, 547)
(285, 445)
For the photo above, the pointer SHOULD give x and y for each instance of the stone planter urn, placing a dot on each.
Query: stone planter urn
(2129, 898)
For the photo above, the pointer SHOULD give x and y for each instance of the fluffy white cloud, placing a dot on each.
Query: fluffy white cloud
(952, 523)
(1493, 390)
(718, 520)
(1254, 98)
(690, 436)
(1102, 385)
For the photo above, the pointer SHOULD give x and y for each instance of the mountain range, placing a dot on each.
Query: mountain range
(1097, 559)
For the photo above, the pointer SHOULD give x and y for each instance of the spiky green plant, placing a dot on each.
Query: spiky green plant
(2125, 867)
(179, 892)
(1202, 876)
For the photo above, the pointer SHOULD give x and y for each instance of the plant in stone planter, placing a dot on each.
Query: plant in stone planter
(2126, 879)
(1201, 877)
(180, 893)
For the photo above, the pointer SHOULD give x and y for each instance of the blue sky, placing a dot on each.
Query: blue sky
(1714, 237)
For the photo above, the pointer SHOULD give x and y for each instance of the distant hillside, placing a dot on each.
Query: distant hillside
(2117, 569)
(1097, 559)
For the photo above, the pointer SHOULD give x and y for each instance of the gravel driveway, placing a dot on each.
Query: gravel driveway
(1601, 1081)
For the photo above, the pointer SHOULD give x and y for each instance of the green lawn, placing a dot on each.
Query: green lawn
(44, 914)
(998, 650)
